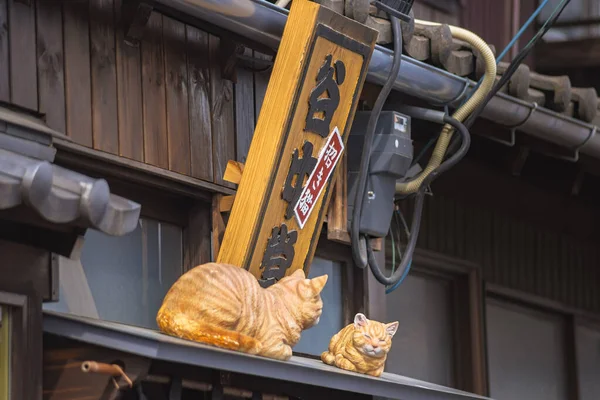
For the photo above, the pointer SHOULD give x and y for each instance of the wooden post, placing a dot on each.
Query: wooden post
(300, 136)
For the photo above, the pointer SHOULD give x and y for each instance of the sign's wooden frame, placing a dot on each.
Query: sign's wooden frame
(319, 49)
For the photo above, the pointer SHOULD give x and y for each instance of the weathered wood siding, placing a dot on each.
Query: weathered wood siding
(513, 253)
(164, 102)
(429, 13)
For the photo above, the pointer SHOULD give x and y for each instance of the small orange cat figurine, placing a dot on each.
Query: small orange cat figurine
(224, 306)
(362, 346)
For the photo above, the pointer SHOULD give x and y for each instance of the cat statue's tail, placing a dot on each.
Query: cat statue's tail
(180, 325)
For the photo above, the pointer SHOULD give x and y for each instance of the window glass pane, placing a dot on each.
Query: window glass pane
(588, 359)
(123, 279)
(525, 353)
(315, 340)
(423, 345)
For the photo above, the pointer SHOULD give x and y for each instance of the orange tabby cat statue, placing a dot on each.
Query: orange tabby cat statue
(224, 306)
(362, 346)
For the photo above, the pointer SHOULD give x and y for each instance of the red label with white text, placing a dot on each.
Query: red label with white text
(328, 158)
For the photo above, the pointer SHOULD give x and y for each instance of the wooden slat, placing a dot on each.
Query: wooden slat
(77, 72)
(50, 64)
(223, 128)
(153, 73)
(176, 85)
(129, 95)
(4, 54)
(23, 74)
(218, 225)
(226, 203)
(233, 172)
(197, 237)
(337, 214)
(199, 104)
(244, 111)
(104, 76)
(261, 81)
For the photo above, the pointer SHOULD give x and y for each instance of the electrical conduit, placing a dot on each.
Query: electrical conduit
(462, 112)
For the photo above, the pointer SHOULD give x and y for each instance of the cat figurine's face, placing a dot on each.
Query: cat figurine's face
(372, 338)
(309, 294)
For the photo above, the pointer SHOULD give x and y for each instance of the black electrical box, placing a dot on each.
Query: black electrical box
(391, 157)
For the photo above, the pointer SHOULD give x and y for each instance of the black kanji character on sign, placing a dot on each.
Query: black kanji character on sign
(325, 97)
(302, 168)
(279, 254)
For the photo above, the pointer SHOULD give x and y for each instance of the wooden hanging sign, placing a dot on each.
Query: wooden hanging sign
(307, 113)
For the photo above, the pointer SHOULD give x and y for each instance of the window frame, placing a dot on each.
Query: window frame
(467, 291)
(164, 196)
(23, 316)
(353, 291)
(572, 318)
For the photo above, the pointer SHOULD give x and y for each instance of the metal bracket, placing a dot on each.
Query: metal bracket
(229, 54)
(512, 140)
(135, 16)
(113, 370)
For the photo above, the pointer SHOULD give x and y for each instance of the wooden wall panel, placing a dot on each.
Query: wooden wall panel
(104, 76)
(222, 114)
(23, 63)
(153, 74)
(261, 80)
(244, 111)
(163, 102)
(199, 104)
(50, 63)
(490, 19)
(428, 13)
(129, 94)
(4, 65)
(176, 84)
(78, 85)
(513, 253)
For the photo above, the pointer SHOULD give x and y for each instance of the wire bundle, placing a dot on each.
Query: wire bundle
(468, 112)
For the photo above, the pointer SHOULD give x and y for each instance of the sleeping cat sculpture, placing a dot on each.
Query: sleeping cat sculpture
(362, 346)
(224, 306)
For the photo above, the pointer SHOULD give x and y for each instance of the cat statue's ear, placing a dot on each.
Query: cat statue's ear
(318, 283)
(360, 320)
(391, 328)
(299, 273)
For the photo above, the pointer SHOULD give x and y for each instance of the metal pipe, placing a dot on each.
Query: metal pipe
(263, 22)
(112, 370)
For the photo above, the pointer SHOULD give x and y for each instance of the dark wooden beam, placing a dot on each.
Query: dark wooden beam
(568, 54)
(108, 165)
(476, 183)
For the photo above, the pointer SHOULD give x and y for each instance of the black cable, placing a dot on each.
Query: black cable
(418, 208)
(515, 64)
(512, 68)
(359, 259)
